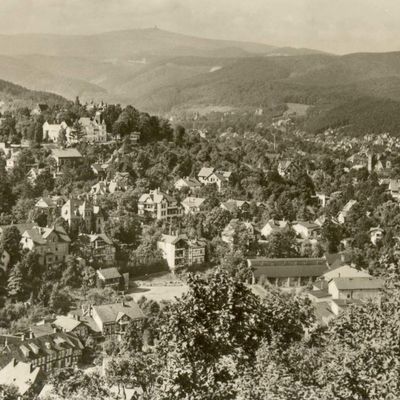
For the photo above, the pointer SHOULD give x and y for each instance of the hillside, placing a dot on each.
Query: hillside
(13, 96)
(122, 66)
(162, 71)
(133, 44)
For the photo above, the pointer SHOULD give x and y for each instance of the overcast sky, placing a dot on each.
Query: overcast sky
(339, 26)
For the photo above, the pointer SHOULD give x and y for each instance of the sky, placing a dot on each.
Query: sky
(337, 26)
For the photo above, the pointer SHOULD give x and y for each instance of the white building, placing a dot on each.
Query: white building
(360, 288)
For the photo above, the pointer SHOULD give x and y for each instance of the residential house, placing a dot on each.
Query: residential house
(228, 234)
(39, 109)
(33, 174)
(100, 169)
(159, 205)
(287, 272)
(52, 131)
(376, 235)
(112, 319)
(51, 244)
(101, 248)
(94, 128)
(394, 188)
(189, 182)
(50, 206)
(345, 211)
(48, 352)
(25, 378)
(72, 324)
(379, 163)
(232, 205)
(345, 271)
(211, 175)
(21, 227)
(180, 251)
(286, 168)
(273, 226)
(66, 157)
(84, 213)
(359, 288)
(108, 187)
(193, 205)
(307, 230)
(109, 277)
(323, 198)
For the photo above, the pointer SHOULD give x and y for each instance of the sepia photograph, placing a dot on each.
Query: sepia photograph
(199, 200)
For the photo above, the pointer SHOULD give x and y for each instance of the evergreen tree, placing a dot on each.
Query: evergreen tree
(77, 132)
(62, 138)
(15, 283)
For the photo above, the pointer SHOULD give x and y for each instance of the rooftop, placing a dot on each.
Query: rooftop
(113, 312)
(66, 153)
(109, 273)
(288, 267)
(360, 283)
(19, 374)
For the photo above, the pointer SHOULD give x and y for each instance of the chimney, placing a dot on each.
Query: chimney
(23, 337)
(54, 331)
(31, 335)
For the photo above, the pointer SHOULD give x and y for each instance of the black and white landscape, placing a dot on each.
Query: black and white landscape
(199, 200)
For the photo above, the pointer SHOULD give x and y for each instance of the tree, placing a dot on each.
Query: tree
(281, 244)
(179, 135)
(9, 392)
(15, 283)
(33, 273)
(10, 242)
(77, 132)
(72, 384)
(59, 301)
(137, 370)
(72, 274)
(132, 339)
(62, 137)
(217, 326)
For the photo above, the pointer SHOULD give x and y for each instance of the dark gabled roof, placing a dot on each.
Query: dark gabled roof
(21, 227)
(288, 267)
(113, 312)
(29, 349)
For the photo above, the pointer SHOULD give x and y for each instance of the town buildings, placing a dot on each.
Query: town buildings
(208, 176)
(345, 211)
(95, 130)
(189, 182)
(287, 272)
(66, 157)
(113, 319)
(51, 132)
(25, 378)
(102, 249)
(109, 277)
(193, 205)
(180, 251)
(159, 205)
(307, 230)
(273, 226)
(230, 232)
(48, 352)
(51, 244)
(82, 213)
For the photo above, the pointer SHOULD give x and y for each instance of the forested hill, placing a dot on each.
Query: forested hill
(14, 96)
